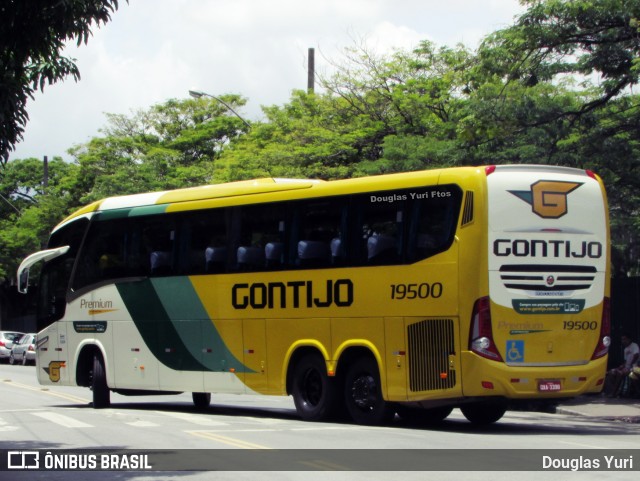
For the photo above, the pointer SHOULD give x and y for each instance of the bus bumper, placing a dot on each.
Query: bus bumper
(482, 377)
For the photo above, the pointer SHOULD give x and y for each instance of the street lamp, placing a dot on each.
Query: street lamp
(196, 94)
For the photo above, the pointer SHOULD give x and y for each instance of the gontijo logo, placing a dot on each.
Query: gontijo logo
(548, 198)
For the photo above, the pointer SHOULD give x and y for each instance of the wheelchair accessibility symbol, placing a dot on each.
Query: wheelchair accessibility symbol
(515, 351)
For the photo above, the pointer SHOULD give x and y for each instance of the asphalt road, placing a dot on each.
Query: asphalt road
(240, 431)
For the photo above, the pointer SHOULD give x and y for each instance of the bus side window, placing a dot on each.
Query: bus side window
(102, 255)
(157, 244)
(203, 242)
(433, 223)
(381, 230)
(317, 236)
(260, 240)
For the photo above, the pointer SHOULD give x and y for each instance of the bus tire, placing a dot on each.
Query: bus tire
(314, 393)
(201, 400)
(363, 394)
(426, 416)
(484, 412)
(101, 393)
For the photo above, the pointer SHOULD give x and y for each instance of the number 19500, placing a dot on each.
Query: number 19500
(416, 291)
(579, 325)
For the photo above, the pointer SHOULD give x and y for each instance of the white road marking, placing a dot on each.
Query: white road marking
(200, 420)
(62, 420)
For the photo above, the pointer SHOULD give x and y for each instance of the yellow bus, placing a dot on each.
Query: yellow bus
(414, 293)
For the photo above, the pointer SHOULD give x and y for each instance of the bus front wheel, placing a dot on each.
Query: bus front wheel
(314, 393)
(201, 400)
(101, 394)
(363, 393)
(484, 412)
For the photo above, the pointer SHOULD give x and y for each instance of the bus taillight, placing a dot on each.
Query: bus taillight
(605, 331)
(481, 334)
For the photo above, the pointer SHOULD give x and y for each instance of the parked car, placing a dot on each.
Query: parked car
(24, 350)
(7, 338)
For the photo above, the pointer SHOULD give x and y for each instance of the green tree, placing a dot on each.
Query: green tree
(167, 146)
(379, 113)
(311, 136)
(29, 209)
(415, 98)
(32, 36)
(596, 40)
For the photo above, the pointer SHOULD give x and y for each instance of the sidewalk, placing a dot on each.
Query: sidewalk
(598, 406)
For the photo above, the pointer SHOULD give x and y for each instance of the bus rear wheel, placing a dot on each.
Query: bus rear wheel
(101, 393)
(426, 416)
(363, 394)
(484, 412)
(314, 393)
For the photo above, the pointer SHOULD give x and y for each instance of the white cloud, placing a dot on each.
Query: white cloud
(153, 50)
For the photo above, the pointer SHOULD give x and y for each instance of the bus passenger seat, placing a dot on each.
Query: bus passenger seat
(381, 249)
(250, 258)
(273, 254)
(337, 253)
(313, 253)
(427, 243)
(215, 259)
(160, 263)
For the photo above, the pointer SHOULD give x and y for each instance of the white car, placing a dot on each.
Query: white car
(7, 338)
(24, 350)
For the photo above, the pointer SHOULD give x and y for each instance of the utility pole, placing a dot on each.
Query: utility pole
(45, 174)
(311, 73)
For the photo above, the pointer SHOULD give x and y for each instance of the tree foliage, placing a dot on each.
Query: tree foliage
(32, 36)
(29, 209)
(168, 146)
(560, 37)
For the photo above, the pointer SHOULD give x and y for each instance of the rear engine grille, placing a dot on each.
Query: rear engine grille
(547, 277)
(431, 342)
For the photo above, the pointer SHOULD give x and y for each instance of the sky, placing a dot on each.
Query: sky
(155, 50)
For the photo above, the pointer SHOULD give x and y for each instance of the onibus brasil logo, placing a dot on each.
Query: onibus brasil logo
(548, 198)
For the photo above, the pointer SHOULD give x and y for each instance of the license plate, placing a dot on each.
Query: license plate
(549, 386)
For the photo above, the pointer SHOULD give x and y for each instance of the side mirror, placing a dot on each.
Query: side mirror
(46, 255)
(23, 281)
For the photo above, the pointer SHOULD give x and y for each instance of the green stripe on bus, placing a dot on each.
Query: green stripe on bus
(181, 301)
(112, 214)
(148, 210)
(174, 325)
(155, 327)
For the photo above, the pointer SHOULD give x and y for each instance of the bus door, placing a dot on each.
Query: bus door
(52, 346)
